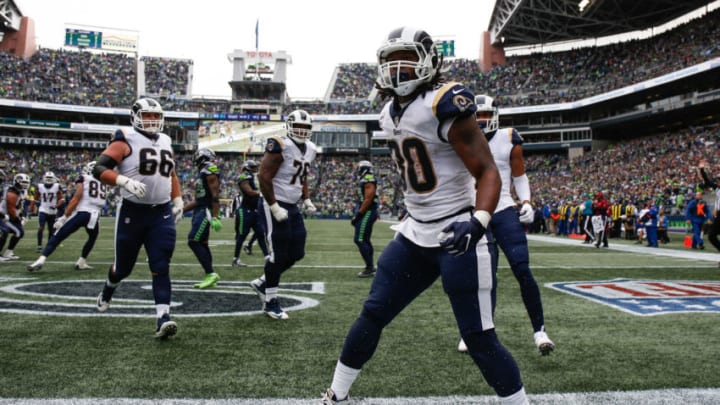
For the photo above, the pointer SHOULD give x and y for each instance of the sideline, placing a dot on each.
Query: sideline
(640, 249)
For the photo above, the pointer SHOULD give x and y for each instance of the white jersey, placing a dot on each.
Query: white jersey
(288, 181)
(501, 145)
(94, 194)
(22, 194)
(150, 162)
(437, 185)
(48, 198)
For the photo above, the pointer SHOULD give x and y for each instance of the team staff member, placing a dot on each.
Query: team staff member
(714, 230)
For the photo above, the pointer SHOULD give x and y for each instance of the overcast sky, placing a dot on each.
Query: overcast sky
(318, 35)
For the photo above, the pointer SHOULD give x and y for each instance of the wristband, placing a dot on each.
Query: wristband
(483, 217)
(121, 180)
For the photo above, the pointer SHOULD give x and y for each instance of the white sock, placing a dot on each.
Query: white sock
(518, 398)
(270, 293)
(41, 260)
(343, 379)
(162, 309)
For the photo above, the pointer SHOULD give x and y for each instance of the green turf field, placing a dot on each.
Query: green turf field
(225, 348)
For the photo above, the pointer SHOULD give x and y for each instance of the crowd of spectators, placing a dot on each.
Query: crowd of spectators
(166, 76)
(85, 78)
(660, 166)
(69, 77)
(353, 81)
(545, 78)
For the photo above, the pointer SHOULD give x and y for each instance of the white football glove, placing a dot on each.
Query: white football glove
(133, 186)
(177, 208)
(279, 213)
(23, 221)
(527, 215)
(309, 206)
(59, 222)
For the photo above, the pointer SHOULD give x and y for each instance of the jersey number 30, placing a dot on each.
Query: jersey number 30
(414, 164)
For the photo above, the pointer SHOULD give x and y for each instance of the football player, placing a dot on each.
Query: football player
(49, 195)
(246, 217)
(82, 211)
(205, 209)
(140, 160)
(283, 183)
(365, 216)
(451, 187)
(12, 219)
(507, 220)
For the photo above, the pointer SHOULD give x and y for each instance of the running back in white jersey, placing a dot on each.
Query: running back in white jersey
(150, 162)
(436, 181)
(288, 182)
(48, 198)
(94, 194)
(501, 146)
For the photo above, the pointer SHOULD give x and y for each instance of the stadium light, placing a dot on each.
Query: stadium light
(583, 5)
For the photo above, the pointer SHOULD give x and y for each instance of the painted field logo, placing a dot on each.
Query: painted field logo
(134, 298)
(648, 297)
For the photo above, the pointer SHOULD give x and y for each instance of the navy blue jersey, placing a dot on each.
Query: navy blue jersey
(248, 201)
(368, 178)
(203, 196)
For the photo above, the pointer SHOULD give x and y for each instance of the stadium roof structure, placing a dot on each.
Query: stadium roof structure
(518, 23)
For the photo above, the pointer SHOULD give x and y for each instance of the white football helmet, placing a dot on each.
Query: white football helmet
(150, 125)
(487, 104)
(49, 178)
(88, 168)
(299, 126)
(364, 167)
(425, 67)
(22, 181)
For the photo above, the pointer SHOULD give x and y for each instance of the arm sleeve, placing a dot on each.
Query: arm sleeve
(522, 187)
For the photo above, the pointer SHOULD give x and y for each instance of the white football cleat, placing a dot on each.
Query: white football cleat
(543, 343)
(329, 398)
(462, 347)
(10, 255)
(102, 305)
(81, 264)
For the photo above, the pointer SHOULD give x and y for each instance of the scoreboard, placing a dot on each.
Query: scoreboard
(83, 38)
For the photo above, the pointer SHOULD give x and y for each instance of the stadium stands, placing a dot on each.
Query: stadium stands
(659, 165)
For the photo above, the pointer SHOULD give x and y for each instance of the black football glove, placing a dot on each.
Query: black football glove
(457, 237)
(356, 219)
